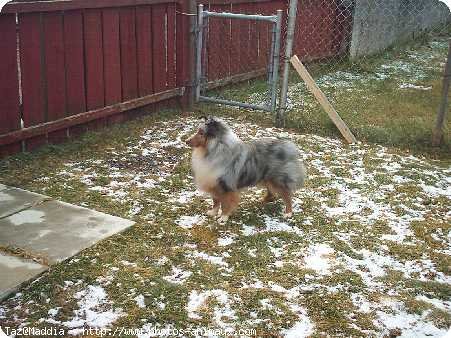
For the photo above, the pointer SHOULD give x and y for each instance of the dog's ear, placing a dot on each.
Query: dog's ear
(213, 127)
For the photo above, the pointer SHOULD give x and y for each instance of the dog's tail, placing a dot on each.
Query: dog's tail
(294, 168)
(300, 174)
(290, 175)
(294, 175)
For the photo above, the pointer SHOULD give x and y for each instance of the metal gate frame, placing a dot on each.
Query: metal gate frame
(273, 74)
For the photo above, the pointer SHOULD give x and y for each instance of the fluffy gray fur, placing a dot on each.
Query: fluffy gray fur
(244, 164)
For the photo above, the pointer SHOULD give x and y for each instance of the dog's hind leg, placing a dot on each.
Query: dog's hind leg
(286, 196)
(214, 211)
(269, 197)
(229, 202)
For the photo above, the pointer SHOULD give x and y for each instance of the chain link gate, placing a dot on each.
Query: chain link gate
(243, 63)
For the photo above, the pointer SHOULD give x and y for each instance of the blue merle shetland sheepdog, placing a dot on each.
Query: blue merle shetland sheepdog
(223, 165)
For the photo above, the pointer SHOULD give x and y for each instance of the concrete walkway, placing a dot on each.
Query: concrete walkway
(48, 230)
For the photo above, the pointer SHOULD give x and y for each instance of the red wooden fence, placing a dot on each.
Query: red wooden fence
(82, 61)
(68, 66)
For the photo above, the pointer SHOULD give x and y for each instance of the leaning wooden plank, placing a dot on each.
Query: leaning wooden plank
(322, 99)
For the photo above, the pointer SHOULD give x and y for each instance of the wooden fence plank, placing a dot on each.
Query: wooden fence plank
(111, 56)
(316, 32)
(9, 82)
(322, 99)
(75, 68)
(264, 35)
(159, 47)
(34, 85)
(33, 91)
(264, 45)
(183, 39)
(95, 87)
(185, 50)
(144, 49)
(245, 43)
(219, 45)
(170, 48)
(10, 149)
(129, 69)
(55, 71)
(235, 46)
(54, 65)
(253, 39)
(214, 50)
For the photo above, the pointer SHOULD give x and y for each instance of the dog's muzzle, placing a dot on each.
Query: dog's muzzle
(189, 141)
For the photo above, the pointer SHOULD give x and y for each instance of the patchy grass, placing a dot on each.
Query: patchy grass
(390, 99)
(366, 253)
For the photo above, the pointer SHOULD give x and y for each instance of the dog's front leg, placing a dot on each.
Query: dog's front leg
(214, 211)
(229, 202)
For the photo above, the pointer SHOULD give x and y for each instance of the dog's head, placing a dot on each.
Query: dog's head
(210, 128)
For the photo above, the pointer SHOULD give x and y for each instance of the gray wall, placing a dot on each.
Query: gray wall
(382, 23)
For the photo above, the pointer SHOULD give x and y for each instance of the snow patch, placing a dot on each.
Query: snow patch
(187, 222)
(94, 311)
(318, 258)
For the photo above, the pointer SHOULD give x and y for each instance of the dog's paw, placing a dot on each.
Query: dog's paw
(287, 214)
(212, 212)
(223, 219)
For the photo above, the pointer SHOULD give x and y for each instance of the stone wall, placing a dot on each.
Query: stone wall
(382, 23)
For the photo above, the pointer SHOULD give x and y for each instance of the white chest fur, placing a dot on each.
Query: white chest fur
(205, 174)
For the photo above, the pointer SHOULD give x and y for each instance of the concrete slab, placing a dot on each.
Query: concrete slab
(13, 200)
(15, 271)
(55, 230)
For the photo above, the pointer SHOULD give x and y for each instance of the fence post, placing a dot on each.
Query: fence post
(280, 115)
(199, 37)
(186, 49)
(437, 133)
(192, 49)
(275, 73)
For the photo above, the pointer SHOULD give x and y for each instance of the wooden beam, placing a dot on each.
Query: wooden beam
(322, 99)
(65, 5)
(73, 120)
(437, 133)
(236, 78)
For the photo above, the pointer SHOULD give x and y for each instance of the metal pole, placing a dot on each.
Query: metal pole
(256, 17)
(275, 73)
(199, 50)
(437, 133)
(280, 115)
(270, 58)
(234, 103)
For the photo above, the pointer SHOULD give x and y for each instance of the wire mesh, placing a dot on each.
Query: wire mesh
(376, 61)
(237, 51)
(352, 46)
